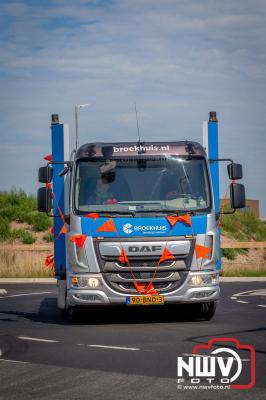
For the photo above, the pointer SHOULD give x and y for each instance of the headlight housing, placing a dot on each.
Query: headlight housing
(204, 279)
(90, 282)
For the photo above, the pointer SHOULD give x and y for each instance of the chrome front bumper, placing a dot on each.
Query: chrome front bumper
(187, 293)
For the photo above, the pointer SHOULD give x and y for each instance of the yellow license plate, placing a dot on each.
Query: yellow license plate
(144, 300)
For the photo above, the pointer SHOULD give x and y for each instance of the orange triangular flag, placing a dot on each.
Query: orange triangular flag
(219, 225)
(63, 230)
(92, 215)
(139, 286)
(167, 255)
(185, 219)
(172, 220)
(49, 261)
(108, 226)
(51, 230)
(203, 251)
(150, 289)
(48, 157)
(79, 240)
(123, 257)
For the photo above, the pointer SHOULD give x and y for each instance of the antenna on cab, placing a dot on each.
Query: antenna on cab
(136, 112)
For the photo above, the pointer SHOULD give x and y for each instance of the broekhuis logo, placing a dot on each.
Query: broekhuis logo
(151, 147)
(145, 229)
(127, 228)
(230, 366)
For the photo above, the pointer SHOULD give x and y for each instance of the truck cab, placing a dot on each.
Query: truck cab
(141, 223)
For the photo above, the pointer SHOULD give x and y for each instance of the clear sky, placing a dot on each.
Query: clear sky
(176, 59)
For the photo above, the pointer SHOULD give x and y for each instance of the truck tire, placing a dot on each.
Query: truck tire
(204, 311)
(70, 312)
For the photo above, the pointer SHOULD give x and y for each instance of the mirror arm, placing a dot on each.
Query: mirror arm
(68, 163)
(228, 212)
(211, 160)
(67, 217)
(52, 216)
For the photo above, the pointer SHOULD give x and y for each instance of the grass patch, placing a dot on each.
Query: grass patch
(231, 253)
(48, 237)
(17, 206)
(5, 232)
(25, 236)
(23, 264)
(39, 221)
(244, 225)
(230, 269)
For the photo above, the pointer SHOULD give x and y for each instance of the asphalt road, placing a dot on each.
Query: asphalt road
(123, 353)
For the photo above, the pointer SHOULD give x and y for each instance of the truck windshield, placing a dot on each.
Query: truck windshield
(142, 184)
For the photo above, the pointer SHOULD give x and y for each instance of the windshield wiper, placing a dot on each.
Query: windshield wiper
(156, 211)
(168, 211)
(113, 213)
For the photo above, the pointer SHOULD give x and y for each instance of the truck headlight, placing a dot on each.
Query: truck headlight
(196, 280)
(85, 282)
(93, 283)
(204, 279)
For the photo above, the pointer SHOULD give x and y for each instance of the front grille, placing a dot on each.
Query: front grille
(147, 264)
(140, 275)
(165, 277)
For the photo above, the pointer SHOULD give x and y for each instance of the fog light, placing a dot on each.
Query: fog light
(93, 282)
(196, 280)
(88, 297)
(200, 295)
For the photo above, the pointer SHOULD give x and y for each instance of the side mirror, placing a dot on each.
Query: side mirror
(237, 195)
(234, 171)
(44, 200)
(45, 174)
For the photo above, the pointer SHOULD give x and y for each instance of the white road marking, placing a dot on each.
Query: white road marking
(37, 339)
(113, 347)
(249, 293)
(3, 291)
(14, 361)
(256, 292)
(23, 294)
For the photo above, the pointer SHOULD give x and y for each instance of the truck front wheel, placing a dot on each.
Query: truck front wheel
(204, 310)
(70, 311)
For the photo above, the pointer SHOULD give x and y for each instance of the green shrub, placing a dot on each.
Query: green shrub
(17, 233)
(230, 254)
(242, 251)
(25, 236)
(39, 221)
(244, 225)
(16, 205)
(5, 232)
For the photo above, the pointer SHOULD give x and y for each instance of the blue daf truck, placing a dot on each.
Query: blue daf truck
(137, 223)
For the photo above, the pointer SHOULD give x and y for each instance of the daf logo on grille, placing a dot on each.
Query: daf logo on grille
(127, 228)
(144, 249)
